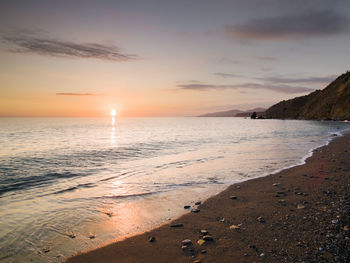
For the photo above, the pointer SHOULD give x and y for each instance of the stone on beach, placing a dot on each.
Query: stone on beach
(300, 206)
(195, 210)
(186, 242)
(233, 197)
(92, 236)
(198, 203)
(235, 227)
(201, 242)
(187, 207)
(204, 232)
(208, 238)
(176, 225)
(260, 219)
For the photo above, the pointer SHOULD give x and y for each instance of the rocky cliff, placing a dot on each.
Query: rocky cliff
(331, 103)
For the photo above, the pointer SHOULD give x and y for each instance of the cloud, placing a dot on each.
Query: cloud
(311, 24)
(281, 88)
(227, 75)
(309, 80)
(24, 43)
(75, 94)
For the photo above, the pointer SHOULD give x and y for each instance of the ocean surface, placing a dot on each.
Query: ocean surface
(69, 184)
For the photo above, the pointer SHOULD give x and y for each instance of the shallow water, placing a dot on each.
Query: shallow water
(114, 178)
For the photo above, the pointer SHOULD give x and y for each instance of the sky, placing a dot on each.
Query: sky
(166, 58)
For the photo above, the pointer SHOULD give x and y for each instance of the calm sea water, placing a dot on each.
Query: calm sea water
(115, 178)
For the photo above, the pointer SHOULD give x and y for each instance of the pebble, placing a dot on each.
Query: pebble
(195, 210)
(92, 236)
(198, 203)
(299, 206)
(197, 261)
(235, 227)
(152, 239)
(187, 207)
(71, 235)
(177, 225)
(262, 255)
(204, 232)
(203, 251)
(208, 238)
(201, 242)
(233, 197)
(260, 219)
(186, 242)
(276, 184)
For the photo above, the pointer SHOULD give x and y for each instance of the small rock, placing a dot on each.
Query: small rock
(235, 227)
(208, 238)
(177, 225)
(197, 261)
(46, 250)
(201, 242)
(187, 207)
(203, 251)
(152, 239)
(198, 203)
(71, 235)
(300, 206)
(276, 184)
(262, 255)
(186, 242)
(195, 210)
(204, 232)
(260, 219)
(335, 221)
(233, 197)
(92, 236)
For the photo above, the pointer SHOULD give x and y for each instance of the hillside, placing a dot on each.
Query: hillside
(331, 103)
(233, 113)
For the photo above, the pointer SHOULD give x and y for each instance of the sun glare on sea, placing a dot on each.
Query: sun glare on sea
(113, 112)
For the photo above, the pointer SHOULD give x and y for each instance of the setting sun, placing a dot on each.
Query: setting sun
(113, 112)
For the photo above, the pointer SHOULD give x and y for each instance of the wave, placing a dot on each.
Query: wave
(15, 184)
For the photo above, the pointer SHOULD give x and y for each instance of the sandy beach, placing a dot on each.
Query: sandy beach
(297, 215)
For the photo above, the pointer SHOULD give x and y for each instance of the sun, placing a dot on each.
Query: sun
(113, 112)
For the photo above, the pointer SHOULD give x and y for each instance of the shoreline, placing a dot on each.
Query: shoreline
(238, 233)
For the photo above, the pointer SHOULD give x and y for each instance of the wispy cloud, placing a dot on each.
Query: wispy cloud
(310, 24)
(227, 75)
(308, 80)
(281, 88)
(29, 43)
(75, 94)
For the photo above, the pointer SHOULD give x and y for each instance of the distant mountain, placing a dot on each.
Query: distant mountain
(331, 103)
(233, 113)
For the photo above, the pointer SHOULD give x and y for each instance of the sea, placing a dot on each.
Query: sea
(68, 185)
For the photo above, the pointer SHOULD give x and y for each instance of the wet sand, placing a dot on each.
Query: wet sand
(299, 214)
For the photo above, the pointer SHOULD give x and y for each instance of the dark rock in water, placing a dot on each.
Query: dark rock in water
(208, 238)
(198, 203)
(254, 115)
(177, 225)
(187, 207)
(260, 219)
(152, 239)
(195, 210)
